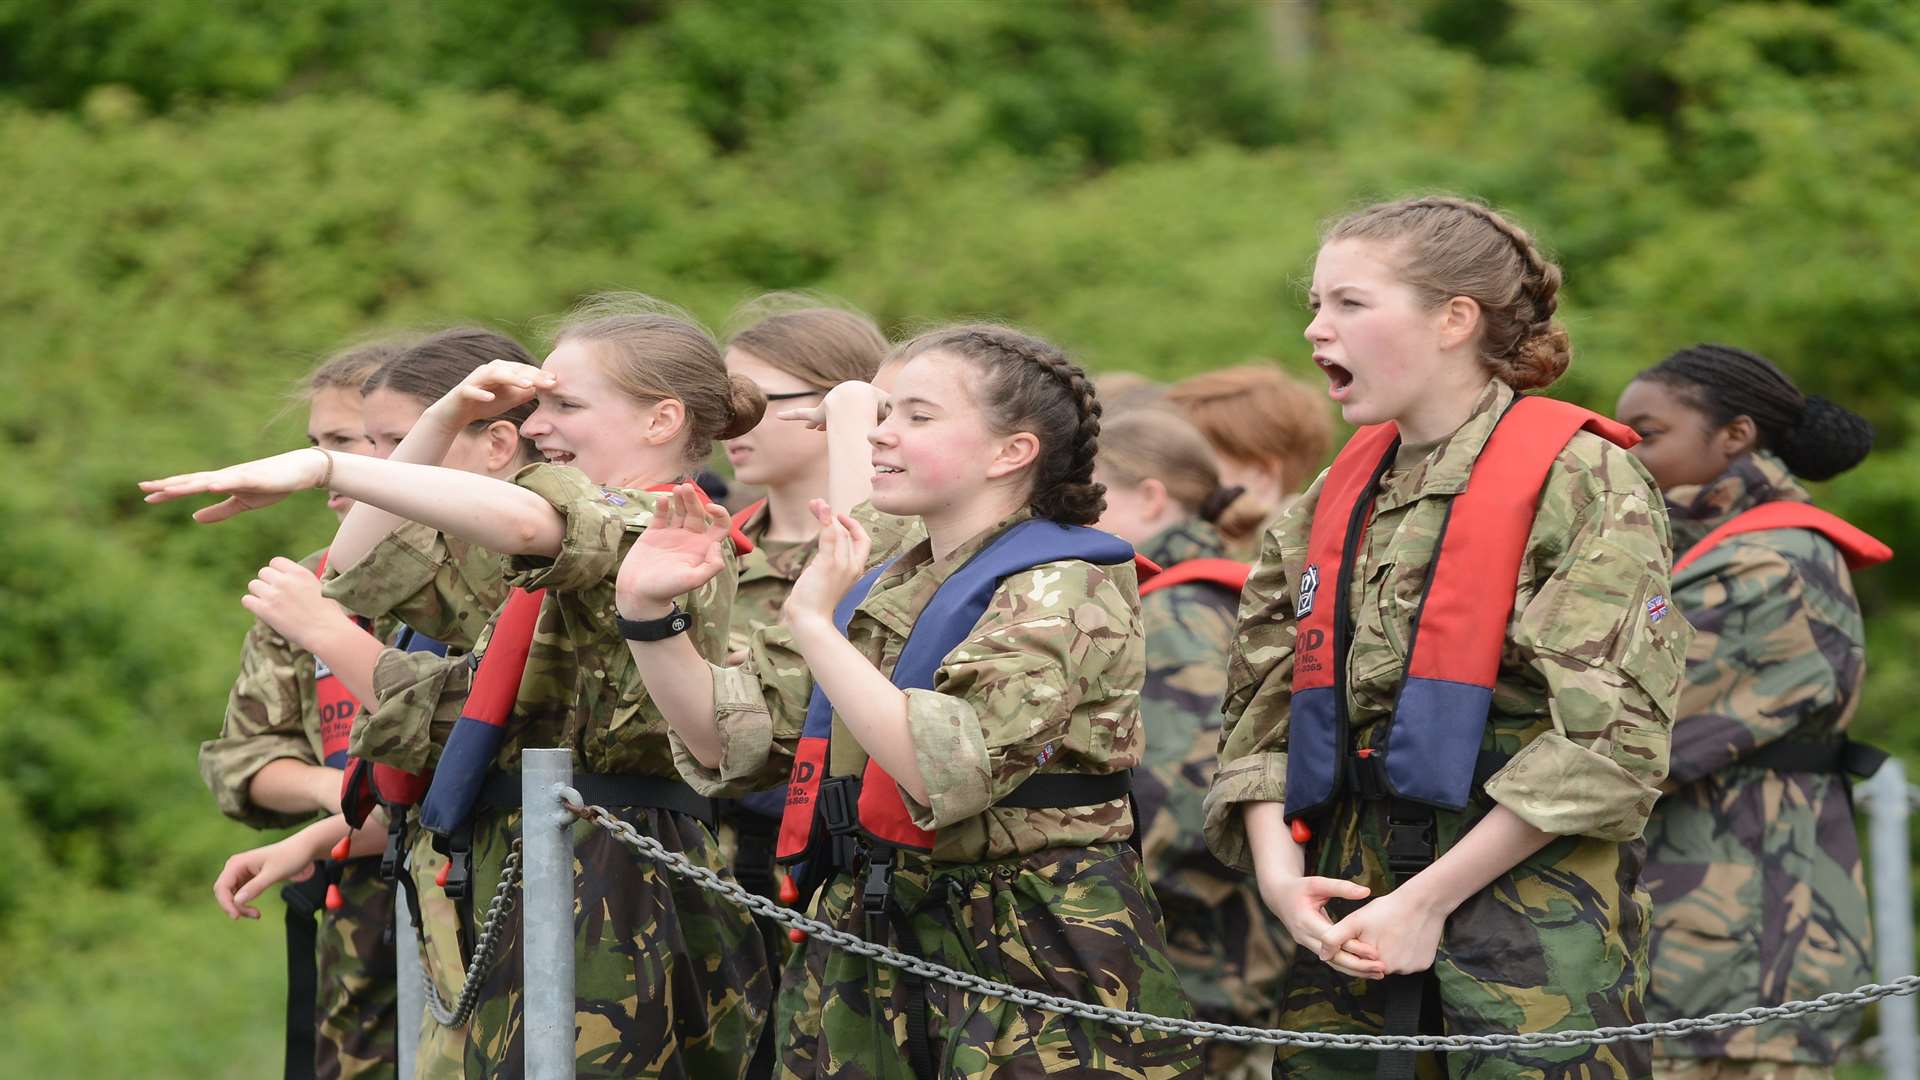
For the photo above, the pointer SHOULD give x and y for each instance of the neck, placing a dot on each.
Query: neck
(1440, 411)
(649, 470)
(950, 527)
(789, 519)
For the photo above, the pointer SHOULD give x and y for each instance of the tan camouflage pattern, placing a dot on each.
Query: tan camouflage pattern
(582, 690)
(1229, 950)
(1050, 675)
(1583, 702)
(271, 714)
(767, 573)
(442, 1051)
(440, 585)
(1075, 921)
(1722, 1069)
(1755, 875)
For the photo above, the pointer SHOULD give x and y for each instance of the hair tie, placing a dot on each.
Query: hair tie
(1217, 503)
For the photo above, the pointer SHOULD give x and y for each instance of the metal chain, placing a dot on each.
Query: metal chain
(713, 882)
(483, 950)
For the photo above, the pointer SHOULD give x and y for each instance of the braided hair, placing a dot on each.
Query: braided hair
(1816, 438)
(1449, 247)
(1029, 385)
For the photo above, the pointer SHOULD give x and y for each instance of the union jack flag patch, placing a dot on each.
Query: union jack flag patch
(1657, 609)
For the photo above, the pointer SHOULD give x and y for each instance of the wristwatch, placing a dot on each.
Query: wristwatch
(673, 622)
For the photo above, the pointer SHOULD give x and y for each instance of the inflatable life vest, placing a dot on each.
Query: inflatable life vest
(1432, 742)
(1229, 574)
(335, 703)
(948, 618)
(475, 743)
(1857, 547)
(367, 784)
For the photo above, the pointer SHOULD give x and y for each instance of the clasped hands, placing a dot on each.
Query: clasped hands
(1394, 934)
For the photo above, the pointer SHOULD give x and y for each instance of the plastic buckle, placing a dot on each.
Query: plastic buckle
(839, 805)
(1410, 843)
(877, 893)
(396, 844)
(459, 868)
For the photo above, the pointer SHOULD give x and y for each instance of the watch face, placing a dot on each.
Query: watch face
(680, 623)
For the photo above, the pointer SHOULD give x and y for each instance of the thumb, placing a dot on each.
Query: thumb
(1348, 890)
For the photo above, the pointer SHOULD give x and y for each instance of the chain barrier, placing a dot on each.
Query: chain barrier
(483, 950)
(1198, 1029)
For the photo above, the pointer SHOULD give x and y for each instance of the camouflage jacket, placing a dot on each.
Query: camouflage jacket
(581, 688)
(1755, 875)
(1589, 671)
(767, 573)
(1050, 678)
(441, 586)
(271, 714)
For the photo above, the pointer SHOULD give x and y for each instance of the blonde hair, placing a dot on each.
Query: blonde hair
(654, 351)
(350, 367)
(819, 343)
(1450, 247)
(1127, 390)
(1258, 414)
(1154, 444)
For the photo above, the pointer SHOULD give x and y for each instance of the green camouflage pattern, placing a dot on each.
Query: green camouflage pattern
(442, 1051)
(1231, 953)
(271, 714)
(1583, 703)
(1049, 677)
(1079, 922)
(1722, 1069)
(1755, 875)
(441, 586)
(359, 995)
(671, 980)
(581, 690)
(767, 573)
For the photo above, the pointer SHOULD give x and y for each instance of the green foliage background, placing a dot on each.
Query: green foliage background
(199, 199)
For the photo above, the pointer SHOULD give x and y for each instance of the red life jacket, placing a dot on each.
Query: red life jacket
(467, 759)
(336, 704)
(746, 514)
(1859, 549)
(1230, 574)
(1432, 742)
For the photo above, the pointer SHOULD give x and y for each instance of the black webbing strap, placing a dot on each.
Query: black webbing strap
(501, 791)
(1844, 756)
(304, 900)
(756, 836)
(1410, 849)
(1061, 791)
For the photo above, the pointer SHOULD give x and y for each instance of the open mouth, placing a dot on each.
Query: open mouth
(558, 457)
(887, 470)
(1338, 378)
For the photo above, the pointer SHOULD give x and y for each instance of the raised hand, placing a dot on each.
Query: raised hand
(247, 486)
(852, 402)
(287, 597)
(678, 553)
(841, 559)
(489, 390)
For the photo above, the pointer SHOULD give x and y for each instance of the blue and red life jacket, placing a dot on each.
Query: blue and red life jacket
(1431, 745)
(949, 617)
(366, 784)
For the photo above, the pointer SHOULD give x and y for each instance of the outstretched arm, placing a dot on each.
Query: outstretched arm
(493, 514)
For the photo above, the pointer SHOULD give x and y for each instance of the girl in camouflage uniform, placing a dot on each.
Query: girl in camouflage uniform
(1164, 496)
(1752, 858)
(670, 981)
(989, 431)
(268, 769)
(1431, 315)
(441, 589)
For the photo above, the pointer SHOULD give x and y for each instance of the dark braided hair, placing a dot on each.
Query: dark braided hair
(1030, 385)
(1457, 247)
(1816, 438)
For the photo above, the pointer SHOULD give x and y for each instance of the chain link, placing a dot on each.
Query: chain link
(1198, 1029)
(483, 950)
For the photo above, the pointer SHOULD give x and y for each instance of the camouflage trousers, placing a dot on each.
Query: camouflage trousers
(1667, 1068)
(1078, 922)
(1231, 954)
(1557, 943)
(442, 1051)
(357, 997)
(671, 981)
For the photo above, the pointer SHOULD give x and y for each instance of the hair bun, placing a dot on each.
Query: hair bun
(746, 405)
(1826, 440)
(1538, 360)
(1217, 503)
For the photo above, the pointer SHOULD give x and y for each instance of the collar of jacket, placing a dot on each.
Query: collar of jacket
(1190, 539)
(896, 607)
(1446, 468)
(1751, 479)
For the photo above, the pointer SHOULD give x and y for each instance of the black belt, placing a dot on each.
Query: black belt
(1061, 791)
(1843, 756)
(501, 791)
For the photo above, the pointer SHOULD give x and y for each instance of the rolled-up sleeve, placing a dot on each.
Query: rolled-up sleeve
(1610, 646)
(420, 697)
(759, 708)
(265, 721)
(442, 588)
(597, 521)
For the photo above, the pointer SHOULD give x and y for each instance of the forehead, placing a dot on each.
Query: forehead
(748, 366)
(1362, 263)
(1653, 399)
(937, 377)
(576, 368)
(334, 407)
(385, 405)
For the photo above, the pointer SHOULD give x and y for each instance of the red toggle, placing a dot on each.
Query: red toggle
(343, 849)
(440, 878)
(1364, 752)
(334, 900)
(789, 892)
(798, 937)
(1301, 833)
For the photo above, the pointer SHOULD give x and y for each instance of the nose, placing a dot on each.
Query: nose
(1318, 332)
(881, 435)
(535, 425)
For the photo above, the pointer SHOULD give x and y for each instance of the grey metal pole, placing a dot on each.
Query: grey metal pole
(412, 1003)
(546, 857)
(1888, 805)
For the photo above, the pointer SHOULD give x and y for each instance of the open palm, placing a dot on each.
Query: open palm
(678, 552)
(248, 486)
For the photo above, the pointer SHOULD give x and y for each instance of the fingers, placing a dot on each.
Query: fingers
(238, 870)
(718, 519)
(822, 513)
(220, 511)
(691, 510)
(1325, 887)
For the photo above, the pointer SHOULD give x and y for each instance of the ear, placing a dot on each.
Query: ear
(1154, 499)
(503, 446)
(1458, 321)
(665, 420)
(1737, 438)
(1017, 451)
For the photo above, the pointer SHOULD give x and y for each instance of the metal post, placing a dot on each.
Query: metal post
(412, 1003)
(546, 857)
(1888, 805)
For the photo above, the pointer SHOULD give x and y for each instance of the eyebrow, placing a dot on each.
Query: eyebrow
(1637, 418)
(912, 401)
